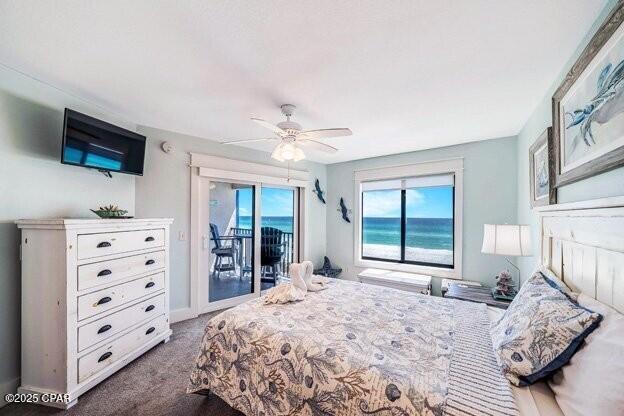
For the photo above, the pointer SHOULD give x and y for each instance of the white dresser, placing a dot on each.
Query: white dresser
(95, 296)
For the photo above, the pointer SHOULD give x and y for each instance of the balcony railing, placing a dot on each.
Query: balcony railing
(287, 240)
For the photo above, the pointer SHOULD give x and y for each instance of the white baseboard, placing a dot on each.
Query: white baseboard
(8, 387)
(181, 315)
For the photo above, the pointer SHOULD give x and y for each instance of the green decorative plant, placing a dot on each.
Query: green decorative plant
(111, 211)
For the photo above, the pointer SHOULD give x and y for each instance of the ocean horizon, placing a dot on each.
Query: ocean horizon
(284, 224)
(427, 233)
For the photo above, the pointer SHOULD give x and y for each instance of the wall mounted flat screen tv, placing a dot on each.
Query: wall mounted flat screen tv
(95, 144)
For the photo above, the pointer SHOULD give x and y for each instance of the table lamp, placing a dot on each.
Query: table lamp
(506, 240)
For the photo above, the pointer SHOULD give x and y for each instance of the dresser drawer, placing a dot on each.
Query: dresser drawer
(99, 359)
(95, 274)
(104, 328)
(105, 299)
(103, 244)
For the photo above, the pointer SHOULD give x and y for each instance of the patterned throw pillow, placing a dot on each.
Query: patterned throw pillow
(540, 331)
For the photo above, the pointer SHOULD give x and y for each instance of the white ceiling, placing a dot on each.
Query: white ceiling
(403, 75)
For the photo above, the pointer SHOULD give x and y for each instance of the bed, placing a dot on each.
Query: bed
(362, 349)
(353, 349)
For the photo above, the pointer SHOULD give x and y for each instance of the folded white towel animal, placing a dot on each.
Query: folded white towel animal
(288, 292)
(284, 293)
(296, 276)
(301, 281)
(312, 282)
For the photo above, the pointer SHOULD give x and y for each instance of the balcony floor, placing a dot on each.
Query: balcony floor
(230, 285)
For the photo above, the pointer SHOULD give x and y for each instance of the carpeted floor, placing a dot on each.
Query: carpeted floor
(154, 384)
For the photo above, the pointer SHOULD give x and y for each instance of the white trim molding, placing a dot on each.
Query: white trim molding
(181, 314)
(436, 167)
(231, 169)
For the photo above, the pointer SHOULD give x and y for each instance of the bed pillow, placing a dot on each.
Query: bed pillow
(549, 274)
(592, 382)
(540, 331)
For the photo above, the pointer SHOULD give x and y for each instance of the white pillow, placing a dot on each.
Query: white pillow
(592, 383)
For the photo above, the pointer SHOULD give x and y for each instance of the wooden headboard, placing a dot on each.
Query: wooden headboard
(583, 244)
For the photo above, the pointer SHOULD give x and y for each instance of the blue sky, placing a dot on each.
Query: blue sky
(276, 202)
(431, 202)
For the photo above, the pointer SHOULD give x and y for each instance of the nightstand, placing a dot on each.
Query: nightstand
(480, 294)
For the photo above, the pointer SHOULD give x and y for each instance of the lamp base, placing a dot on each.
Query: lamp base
(498, 296)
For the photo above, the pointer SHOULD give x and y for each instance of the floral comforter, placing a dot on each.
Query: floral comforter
(354, 349)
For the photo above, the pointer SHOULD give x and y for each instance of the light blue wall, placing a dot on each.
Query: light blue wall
(34, 184)
(489, 197)
(604, 185)
(164, 191)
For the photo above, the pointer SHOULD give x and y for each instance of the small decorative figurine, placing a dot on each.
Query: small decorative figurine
(318, 191)
(345, 212)
(327, 269)
(504, 286)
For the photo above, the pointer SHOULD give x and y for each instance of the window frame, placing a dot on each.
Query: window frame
(447, 166)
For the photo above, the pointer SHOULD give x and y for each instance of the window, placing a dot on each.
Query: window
(410, 223)
(409, 220)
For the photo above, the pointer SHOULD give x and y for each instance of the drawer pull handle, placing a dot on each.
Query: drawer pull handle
(150, 284)
(150, 330)
(104, 244)
(104, 272)
(105, 356)
(150, 238)
(104, 329)
(150, 261)
(150, 308)
(104, 300)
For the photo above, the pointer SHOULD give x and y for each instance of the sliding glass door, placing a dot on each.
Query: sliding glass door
(249, 236)
(278, 233)
(228, 225)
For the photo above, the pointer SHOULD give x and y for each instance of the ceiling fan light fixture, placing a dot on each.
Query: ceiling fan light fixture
(299, 155)
(277, 153)
(287, 151)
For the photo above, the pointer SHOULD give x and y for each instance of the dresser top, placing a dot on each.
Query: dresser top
(56, 223)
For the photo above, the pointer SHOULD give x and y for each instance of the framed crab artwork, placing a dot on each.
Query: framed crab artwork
(588, 107)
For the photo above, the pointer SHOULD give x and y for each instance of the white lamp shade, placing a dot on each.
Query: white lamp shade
(506, 240)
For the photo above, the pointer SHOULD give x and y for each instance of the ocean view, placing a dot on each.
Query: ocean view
(427, 239)
(281, 223)
(434, 233)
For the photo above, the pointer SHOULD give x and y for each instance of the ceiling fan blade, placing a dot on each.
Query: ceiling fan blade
(269, 126)
(326, 133)
(250, 140)
(313, 144)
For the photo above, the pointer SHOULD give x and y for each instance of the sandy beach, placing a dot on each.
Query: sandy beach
(411, 253)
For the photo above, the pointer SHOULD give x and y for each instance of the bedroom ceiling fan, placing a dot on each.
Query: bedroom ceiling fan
(292, 139)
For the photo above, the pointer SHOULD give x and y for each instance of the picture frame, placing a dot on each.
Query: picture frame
(587, 124)
(542, 171)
